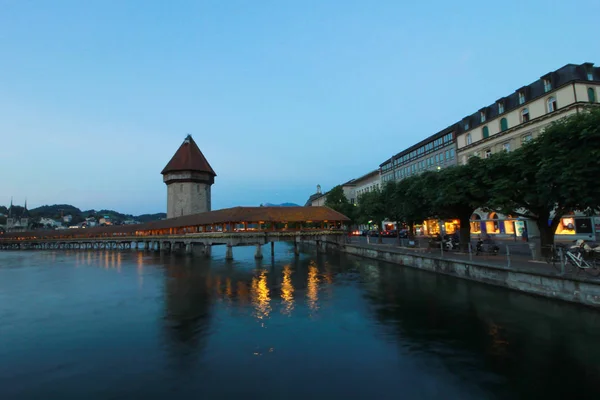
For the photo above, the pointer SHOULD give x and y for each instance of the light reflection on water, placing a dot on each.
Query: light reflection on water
(107, 324)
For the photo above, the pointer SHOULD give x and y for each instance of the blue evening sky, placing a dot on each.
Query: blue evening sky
(96, 96)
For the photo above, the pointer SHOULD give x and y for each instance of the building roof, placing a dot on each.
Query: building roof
(313, 197)
(223, 216)
(365, 176)
(188, 158)
(562, 76)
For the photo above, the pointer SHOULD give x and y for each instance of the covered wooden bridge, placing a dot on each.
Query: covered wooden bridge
(237, 226)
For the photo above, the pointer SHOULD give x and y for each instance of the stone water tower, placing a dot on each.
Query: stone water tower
(188, 177)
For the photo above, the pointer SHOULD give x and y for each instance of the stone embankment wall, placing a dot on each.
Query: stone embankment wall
(575, 290)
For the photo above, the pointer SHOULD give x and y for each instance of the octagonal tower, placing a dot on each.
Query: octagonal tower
(188, 177)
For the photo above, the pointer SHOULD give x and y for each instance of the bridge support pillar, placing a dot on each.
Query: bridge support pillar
(323, 245)
(258, 254)
(188, 248)
(296, 248)
(134, 245)
(207, 250)
(229, 252)
(272, 249)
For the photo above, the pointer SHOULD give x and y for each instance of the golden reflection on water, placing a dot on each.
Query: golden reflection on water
(106, 259)
(287, 291)
(228, 291)
(260, 296)
(119, 261)
(313, 286)
(89, 258)
(140, 268)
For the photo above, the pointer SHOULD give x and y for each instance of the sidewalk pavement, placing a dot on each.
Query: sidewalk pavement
(513, 262)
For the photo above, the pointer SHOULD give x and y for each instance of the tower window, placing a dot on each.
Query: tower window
(488, 153)
(552, 104)
(524, 115)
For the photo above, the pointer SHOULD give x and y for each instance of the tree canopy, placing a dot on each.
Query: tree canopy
(544, 180)
(339, 202)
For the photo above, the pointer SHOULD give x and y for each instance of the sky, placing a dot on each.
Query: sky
(96, 96)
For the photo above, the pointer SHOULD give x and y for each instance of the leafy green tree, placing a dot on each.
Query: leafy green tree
(457, 191)
(337, 200)
(415, 205)
(553, 175)
(371, 208)
(392, 200)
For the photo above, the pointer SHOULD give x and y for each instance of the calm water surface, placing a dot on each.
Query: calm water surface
(105, 325)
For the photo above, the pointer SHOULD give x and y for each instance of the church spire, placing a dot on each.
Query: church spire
(10, 208)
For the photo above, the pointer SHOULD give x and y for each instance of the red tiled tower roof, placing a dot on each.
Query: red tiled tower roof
(188, 158)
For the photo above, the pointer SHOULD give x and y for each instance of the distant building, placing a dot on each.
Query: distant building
(90, 222)
(105, 220)
(67, 218)
(49, 223)
(18, 219)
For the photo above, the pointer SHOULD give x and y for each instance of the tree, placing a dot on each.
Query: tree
(371, 208)
(337, 200)
(393, 200)
(457, 191)
(415, 205)
(553, 175)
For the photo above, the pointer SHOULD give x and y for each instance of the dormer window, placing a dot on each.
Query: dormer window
(466, 126)
(482, 116)
(521, 97)
(547, 85)
(500, 108)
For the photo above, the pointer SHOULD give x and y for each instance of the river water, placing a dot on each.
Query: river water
(111, 325)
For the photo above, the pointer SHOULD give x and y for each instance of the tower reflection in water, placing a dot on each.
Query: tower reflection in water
(187, 309)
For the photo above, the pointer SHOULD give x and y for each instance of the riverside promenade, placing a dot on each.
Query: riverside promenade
(516, 272)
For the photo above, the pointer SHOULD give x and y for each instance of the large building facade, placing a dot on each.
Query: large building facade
(501, 126)
(435, 152)
(189, 178)
(521, 116)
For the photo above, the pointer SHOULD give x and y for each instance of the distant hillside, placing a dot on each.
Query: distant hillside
(57, 210)
(280, 205)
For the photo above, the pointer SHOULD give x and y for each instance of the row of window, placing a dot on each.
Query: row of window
(551, 106)
(371, 188)
(505, 147)
(425, 164)
(425, 149)
(522, 100)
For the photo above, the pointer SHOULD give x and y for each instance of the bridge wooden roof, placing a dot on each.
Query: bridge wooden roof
(223, 216)
(253, 214)
(188, 158)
